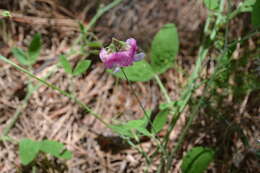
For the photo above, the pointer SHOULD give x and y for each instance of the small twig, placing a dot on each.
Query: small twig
(42, 21)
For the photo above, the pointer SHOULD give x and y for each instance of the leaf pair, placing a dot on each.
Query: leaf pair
(29, 149)
(133, 128)
(80, 68)
(29, 57)
(137, 128)
(165, 47)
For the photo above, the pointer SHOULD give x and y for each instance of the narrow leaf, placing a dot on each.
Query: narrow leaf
(247, 6)
(138, 125)
(28, 150)
(81, 67)
(135, 123)
(160, 120)
(65, 64)
(255, 17)
(122, 130)
(34, 48)
(165, 47)
(144, 131)
(249, 2)
(20, 55)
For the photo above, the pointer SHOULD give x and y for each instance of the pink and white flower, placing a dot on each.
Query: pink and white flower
(123, 57)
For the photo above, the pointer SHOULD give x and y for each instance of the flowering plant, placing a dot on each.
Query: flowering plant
(120, 54)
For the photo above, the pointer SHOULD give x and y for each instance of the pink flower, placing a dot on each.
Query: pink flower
(122, 58)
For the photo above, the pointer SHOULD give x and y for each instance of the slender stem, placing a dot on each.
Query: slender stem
(145, 113)
(29, 93)
(73, 98)
(246, 37)
(17, 113)
(101, 11)
(192, 83)
(137, 98)
(163, 89)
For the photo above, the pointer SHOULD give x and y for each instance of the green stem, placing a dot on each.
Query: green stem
(101, 11)
(73, 98)
(137, 98)
(163, 89)
(246, 37)
(145, 113)
(29, 93)
(17, 113)
(191, 85)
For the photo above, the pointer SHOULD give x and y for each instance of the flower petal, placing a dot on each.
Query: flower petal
(117, 69)
(103, 55)
(139, 56)
(133, 46)
(120, 59)
(124, 57)
(131, 41)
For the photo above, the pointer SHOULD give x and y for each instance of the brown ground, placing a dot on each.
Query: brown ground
(50, 115)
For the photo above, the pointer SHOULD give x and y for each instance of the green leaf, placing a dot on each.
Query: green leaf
(55, 149)
(249, 2)
(212, 4)
(21, 56)
(164, 106)
(197, 160)
(6, 13)
(165, 47)
(139, 71)
(81, 67)
(34, 48)
(122, 130)
(82, 28)
(28, 150)
(247, 6)
(144, 131)
(160, 120)
(132, 124)
(255, 17)
(95, 44)
(127, 128)
(65, 64)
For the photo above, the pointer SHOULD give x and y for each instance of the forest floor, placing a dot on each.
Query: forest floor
(49, 115)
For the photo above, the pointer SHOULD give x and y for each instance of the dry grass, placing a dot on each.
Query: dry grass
(50, 115)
